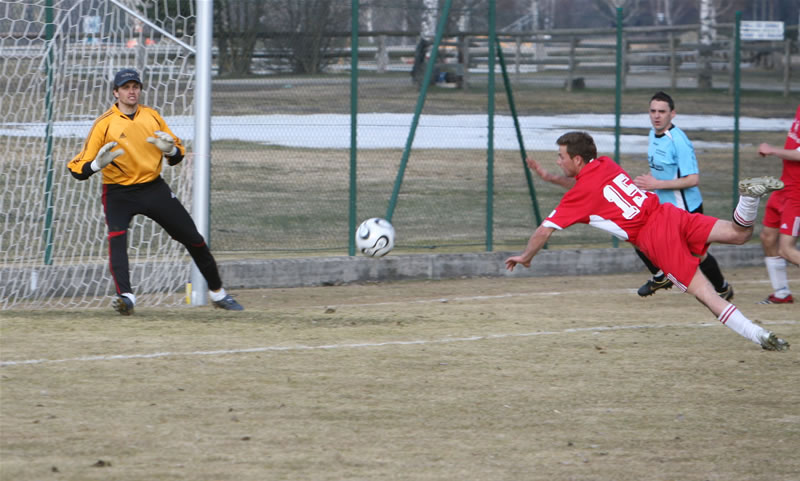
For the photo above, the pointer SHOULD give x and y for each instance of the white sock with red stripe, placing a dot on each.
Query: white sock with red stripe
(746, 211)
(743, 326)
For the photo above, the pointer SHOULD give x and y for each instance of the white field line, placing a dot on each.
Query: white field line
(444, 299)
(580, 292)
(303, 347)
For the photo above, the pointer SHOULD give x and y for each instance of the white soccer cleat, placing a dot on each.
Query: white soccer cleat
(771, 342)
(759, 186)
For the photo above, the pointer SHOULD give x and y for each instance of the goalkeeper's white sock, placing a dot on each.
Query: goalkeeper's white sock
(776, 269)
(218, 295)
(743, 326)
(746, 211)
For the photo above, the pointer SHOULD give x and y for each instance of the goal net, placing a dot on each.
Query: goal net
(58, 59)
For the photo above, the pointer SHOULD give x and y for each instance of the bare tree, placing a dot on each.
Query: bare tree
(608, 8)
(237, 24)
(305, 27)
(534, 12)
(707, 34)
(670, 12)
(428, 20)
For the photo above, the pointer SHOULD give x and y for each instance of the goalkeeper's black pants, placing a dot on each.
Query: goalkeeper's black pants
(156, 201)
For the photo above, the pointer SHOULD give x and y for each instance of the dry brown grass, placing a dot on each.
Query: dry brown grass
(535, 379)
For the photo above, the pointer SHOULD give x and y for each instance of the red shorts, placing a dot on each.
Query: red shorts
(783, 212)
(674, 240)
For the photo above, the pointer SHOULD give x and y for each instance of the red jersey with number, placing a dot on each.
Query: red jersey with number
(791, 168)
(604, 197)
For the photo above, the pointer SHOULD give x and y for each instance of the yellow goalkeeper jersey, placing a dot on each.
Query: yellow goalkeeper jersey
(141, 161)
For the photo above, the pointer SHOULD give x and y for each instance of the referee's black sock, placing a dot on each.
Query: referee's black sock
(650, 266)
(710, 269)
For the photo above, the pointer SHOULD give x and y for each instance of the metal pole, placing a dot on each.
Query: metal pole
(618, 90)
(737, 60)
(418, 110)
(152, 25)
(522, 153)
(351, 245)
(48, 162)
(490, 133)
(618, 99)
(202, 140)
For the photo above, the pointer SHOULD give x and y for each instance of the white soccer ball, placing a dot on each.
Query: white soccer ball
(375, 237)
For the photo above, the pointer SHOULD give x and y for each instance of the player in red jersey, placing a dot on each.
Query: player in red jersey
(782, 217)
(605, 197)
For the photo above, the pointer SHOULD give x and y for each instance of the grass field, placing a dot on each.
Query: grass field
(527, 379)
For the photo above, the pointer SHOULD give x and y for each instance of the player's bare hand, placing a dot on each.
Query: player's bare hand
(765, 149)
(512, 262)
(533, 165)
(645, 182)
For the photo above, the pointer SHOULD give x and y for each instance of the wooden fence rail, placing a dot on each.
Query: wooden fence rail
(674, 51)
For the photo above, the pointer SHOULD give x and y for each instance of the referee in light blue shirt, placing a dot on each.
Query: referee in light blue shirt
(674, 177)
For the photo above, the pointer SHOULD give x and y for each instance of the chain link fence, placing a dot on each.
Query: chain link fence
(281, 152)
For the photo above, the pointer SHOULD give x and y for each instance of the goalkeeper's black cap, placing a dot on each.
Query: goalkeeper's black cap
(126, 75)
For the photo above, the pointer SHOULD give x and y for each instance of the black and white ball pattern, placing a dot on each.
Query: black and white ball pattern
(375, 237)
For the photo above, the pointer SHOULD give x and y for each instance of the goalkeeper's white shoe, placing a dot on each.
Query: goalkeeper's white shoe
(759, 186)
(123, 305)
(771, 342)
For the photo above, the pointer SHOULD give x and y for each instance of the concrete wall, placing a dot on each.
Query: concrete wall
(321, 271)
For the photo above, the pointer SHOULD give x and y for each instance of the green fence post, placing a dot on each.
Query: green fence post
(618, 99)
(418, 109)
(523, 155)
(737, 60)
(351, 246)
(618, 90)
(490, 133)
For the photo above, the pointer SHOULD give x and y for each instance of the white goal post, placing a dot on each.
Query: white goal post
(58, 59)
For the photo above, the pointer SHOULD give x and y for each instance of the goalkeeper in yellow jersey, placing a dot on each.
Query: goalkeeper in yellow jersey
(128, 144)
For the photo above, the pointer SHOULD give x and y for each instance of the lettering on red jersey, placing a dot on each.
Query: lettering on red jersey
(632, 195)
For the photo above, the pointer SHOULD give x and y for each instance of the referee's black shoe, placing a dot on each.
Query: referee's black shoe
(652, 285)
(726, 292)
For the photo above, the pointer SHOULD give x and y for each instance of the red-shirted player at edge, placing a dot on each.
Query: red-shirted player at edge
(782, 217)
(605, 197)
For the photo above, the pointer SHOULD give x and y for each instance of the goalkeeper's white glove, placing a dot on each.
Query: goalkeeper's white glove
(105, 156)
(164, 142)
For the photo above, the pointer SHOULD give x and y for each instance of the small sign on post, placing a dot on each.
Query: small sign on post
(752, 30)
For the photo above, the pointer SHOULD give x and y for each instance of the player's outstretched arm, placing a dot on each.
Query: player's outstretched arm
(535, 244)
(562, 180)
(766, 149)
(648, 182)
